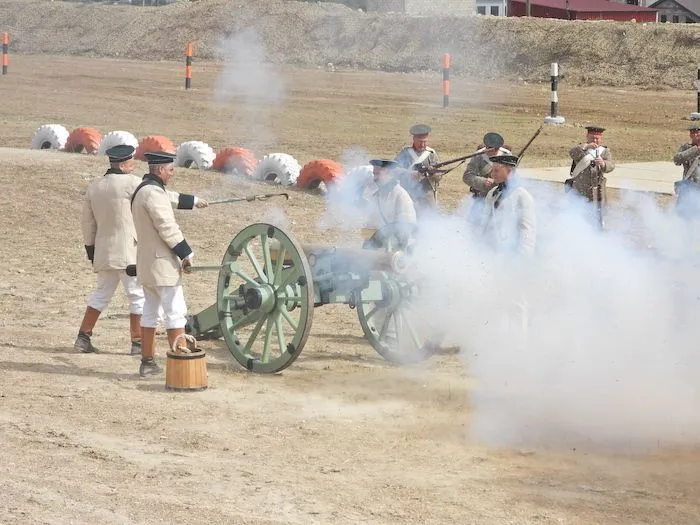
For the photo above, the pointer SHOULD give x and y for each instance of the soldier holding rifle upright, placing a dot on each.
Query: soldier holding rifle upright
(688, 188)
(590, 161)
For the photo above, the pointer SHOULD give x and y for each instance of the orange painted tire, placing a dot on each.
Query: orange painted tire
(317, 171)
(83, 139)
(240, 160)
(154, 143)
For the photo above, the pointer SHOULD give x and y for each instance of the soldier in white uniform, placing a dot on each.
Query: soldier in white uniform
(688, 188)
(110, 242)
(162, 255)
(421, 187)
(509, 221)
(509, 224)
(391, 210)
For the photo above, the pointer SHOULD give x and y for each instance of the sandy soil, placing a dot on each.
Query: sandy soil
(341, 436)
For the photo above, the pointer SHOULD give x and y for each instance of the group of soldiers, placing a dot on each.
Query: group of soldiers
(501, 208)
(127, 221)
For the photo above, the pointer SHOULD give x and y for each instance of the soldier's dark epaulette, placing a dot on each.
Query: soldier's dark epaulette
(185, 202)
(182, 249)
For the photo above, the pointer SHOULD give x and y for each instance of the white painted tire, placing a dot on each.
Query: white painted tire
(359, 181)
(117, 138)
(50, 136)
(194, 154)
(361, 175)
(278, 168)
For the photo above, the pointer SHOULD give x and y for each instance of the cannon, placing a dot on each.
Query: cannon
(269, 285)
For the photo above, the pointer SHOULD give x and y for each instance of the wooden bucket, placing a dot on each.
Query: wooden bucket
(186, 372)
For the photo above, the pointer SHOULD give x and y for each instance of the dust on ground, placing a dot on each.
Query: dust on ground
(339, 437)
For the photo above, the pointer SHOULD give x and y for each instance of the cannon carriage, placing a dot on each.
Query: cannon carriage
(269, 284)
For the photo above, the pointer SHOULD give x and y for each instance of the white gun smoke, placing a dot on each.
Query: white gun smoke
(609, 358)
(254, 87)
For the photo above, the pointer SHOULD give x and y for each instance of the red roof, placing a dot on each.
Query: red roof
(584, 6)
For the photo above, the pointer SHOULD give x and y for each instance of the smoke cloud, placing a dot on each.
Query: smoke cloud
(252, 85)
(609, 357)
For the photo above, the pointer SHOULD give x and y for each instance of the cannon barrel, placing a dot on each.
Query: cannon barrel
(358, 259)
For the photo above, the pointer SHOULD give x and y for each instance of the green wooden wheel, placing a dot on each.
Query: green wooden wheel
(393, 325)
(265, 298)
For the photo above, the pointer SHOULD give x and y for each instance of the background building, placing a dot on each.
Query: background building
(582, 10)
(678, 11)
(492, 7)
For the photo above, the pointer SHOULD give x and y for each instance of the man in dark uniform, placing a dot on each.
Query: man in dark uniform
(688, 188)
(421, 187)
(477, 174)
(590, 161)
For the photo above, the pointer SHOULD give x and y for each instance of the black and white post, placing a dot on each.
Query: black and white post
(696, 115)
(553, 118)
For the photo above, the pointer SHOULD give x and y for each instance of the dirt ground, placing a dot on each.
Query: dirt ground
(339, 437)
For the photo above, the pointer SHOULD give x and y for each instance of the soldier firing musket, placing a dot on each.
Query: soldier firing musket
(590, 161)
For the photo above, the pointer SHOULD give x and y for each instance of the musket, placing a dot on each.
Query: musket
(250, 198)
(597, 191)
(532, 139)
(435, 168)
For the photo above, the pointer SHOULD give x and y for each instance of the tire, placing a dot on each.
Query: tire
(279, 168)
(84, 140)
(235, 160)
(50, 136)
(361, 175)
(357, 183)
(318, 174)
(117, 138)
(194, 154)
(154, 143)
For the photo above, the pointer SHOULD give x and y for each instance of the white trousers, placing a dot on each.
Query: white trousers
(167, 302)
(107, 282)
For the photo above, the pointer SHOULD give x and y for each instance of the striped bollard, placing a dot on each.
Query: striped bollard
(446, 80)
(696, 115)
(188, 65)
(5, 57)
(553, 118)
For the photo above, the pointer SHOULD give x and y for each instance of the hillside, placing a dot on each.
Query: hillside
(315, 34)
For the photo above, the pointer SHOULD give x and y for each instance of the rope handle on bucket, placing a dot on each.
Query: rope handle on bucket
(184, 349)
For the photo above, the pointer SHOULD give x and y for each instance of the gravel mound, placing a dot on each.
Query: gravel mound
(316, 34)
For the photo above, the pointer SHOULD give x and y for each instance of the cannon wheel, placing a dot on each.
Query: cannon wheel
(268, 331)
(389, 324)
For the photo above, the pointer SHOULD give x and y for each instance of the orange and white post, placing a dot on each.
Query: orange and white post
(188, 65)
(446, 80)
(5, 54)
